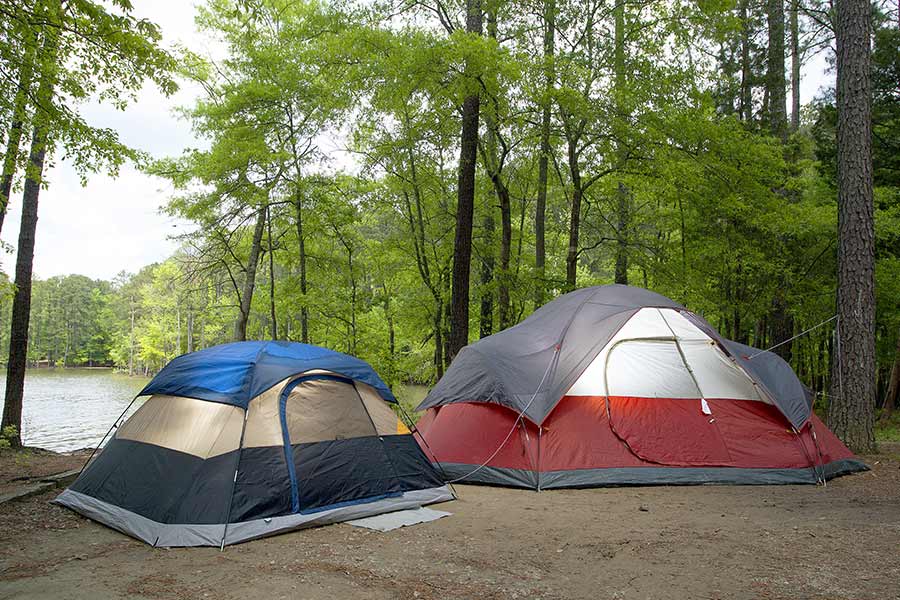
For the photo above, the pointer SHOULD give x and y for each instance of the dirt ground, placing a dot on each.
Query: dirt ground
(21, 468)
(836, 542)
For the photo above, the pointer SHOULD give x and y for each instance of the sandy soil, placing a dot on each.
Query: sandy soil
(840, 541)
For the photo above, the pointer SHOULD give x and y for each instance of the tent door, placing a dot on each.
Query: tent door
(656, 408)
(333, 452)
(288, 448)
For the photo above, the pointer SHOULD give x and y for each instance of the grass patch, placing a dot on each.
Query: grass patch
(888, 431)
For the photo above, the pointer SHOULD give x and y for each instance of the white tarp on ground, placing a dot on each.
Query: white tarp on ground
(400, 518)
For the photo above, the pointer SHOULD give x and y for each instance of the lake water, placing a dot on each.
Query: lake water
(69, 409)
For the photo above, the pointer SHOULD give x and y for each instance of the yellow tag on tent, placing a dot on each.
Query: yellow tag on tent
(401, 427)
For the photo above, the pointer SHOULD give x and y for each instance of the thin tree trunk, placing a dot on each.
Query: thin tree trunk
(540, 209)
(131, 339)
(465, 206)
(190, 328)
(304, 311)
(851, 411)
(21, 308)
(623, 196)
(795, 66)
(782, 325)
(503, 300)
(777, 101)
(574, 218)
(623, 211)
(14, 139)
(438, 338)
(240, 329)
(505, 250)
(746, 68)
(274, 324)
(486, 315)
(392, 343)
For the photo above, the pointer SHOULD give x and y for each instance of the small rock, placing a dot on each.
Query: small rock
(643, 508)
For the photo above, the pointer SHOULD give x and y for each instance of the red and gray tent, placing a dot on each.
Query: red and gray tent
(617, 385)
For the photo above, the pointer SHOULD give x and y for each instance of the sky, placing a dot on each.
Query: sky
(115, 224)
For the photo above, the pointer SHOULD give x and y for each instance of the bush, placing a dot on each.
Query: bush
(6, 435)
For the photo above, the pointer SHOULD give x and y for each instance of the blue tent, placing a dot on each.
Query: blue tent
(248, 439)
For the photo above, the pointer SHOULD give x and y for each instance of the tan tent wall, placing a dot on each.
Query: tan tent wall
(386, 421)
(203, 429)
(263, 421)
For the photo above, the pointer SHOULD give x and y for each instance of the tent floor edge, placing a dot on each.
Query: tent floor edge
(167, 535)
(645, 476)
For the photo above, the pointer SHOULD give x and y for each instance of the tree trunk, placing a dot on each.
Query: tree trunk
(777, 101)
(540, 209)
(486, 316)
(505, 249)
(240, 329)
(21, 308)
(131, 338)
(574, 218)
(438, 338)
(795, 66)
(190, 328)
(746, 67)
(304, 311)
(274, 323)
(623, 212)
(851, 411)
(623, 196)
(465, 205)
(505, 207)
(15, 132)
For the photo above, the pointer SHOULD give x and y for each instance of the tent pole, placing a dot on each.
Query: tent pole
(414, 431)
(237, 465)
(540, 431)
(105, 435)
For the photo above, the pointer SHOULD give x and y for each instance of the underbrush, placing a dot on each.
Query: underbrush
(888, 430)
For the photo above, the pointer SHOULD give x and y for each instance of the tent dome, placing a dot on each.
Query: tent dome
(619, 385)
(248, 439)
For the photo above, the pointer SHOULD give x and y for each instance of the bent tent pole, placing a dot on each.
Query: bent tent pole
(415, 430)
(108, 431)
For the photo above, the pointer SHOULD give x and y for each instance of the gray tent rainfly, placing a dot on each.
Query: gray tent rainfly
(507, 368)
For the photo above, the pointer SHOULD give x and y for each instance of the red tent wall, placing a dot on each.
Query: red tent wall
(646, 432)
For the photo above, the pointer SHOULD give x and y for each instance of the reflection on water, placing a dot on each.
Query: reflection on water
(67, 409)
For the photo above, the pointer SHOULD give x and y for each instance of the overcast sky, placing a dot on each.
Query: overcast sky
(112, 225)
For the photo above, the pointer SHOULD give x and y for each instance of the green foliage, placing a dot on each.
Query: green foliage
(7, 435)
(108, 55)
(336, 127)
